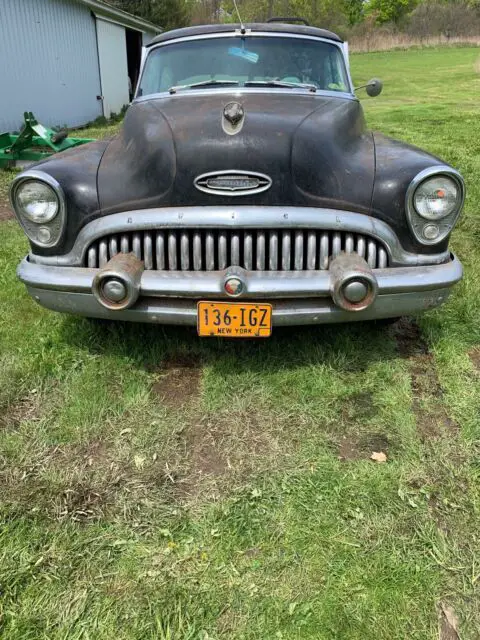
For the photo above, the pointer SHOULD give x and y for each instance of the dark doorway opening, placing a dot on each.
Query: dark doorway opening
(134, 57)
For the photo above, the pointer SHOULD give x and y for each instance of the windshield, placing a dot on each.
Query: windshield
(248, 60)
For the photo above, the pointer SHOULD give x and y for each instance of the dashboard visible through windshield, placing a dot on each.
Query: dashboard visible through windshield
(276, 62)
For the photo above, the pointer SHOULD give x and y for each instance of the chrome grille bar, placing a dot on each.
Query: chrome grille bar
(349, 243)
(113, 248)
(248, 250)
(137, 245)
(103, 251)
(273, 251)
(324, 251)
(252, 249)
(209, 250)
(160, 246)
(148, 250)
(235, 250)
(184, 252)
(197, 252)
(361, 246)
(382, 258)
(222, 250)
(337, 244)
(298, 250)
(311, 250)
(260, 250)
(172, 251)
(92, 262)
(372, 254)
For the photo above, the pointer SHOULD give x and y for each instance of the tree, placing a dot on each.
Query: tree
(330, 14)
(354, 10)
(168, 14)
(389, 10)
(434, 17)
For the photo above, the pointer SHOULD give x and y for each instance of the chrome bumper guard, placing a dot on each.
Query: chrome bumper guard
(302, 297)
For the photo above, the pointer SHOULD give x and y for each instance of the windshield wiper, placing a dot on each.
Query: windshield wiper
(280, 84)
(205, 83)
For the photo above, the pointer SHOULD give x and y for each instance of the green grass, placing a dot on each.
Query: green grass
(6, 176)
(158, 486)
(97, 131)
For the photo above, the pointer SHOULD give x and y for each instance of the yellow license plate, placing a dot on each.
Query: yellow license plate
(234, 319)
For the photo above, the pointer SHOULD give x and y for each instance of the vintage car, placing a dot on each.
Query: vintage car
(243, 191)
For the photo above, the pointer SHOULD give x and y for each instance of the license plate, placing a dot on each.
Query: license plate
(234, 319)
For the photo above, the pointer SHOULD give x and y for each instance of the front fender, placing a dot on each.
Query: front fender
(76, 170)
(396, 164)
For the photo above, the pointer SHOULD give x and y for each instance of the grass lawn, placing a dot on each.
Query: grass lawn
(154, 485)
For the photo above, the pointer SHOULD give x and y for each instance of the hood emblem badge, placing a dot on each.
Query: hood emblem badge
(233, 183)
(234, 113)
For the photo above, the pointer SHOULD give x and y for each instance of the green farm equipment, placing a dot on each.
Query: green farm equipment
(34, 142)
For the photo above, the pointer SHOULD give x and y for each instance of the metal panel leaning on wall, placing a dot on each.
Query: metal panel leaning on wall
(112, 55)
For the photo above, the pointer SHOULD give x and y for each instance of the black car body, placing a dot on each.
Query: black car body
(243, 172)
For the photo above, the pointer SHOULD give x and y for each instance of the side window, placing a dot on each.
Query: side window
(333, 72)
(151, 75)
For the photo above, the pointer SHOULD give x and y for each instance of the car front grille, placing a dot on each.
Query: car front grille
(254, 249)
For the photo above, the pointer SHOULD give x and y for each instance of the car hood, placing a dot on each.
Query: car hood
(315, 148)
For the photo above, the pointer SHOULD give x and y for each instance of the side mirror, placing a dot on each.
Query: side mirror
(374, 87)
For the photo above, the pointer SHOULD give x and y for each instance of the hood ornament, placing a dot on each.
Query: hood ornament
(233, 183)
(234, 113)
(233, 118)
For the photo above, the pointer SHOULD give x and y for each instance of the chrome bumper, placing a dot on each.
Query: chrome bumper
(297, 297)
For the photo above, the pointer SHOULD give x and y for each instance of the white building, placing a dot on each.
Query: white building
(68, 61)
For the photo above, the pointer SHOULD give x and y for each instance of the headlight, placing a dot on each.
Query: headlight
(433, 203)
(39, 203)
(437, 197)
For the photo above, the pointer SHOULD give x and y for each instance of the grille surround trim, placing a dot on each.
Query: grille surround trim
(218, 217)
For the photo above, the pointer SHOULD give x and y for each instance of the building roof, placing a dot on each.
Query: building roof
(105, 10)
(276, 27)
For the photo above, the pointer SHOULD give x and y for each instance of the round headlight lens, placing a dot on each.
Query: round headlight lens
(37, 201)
(437, 197)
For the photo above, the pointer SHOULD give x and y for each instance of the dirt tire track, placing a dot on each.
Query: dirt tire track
(474, 355)
(430, 413)
(178, 387)
(178, 381)
(6, 212)
(28, 407)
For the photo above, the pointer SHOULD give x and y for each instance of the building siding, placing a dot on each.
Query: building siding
(49, 63)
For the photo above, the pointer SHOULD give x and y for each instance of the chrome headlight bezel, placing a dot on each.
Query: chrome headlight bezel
(418, 224)
(53, 228)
